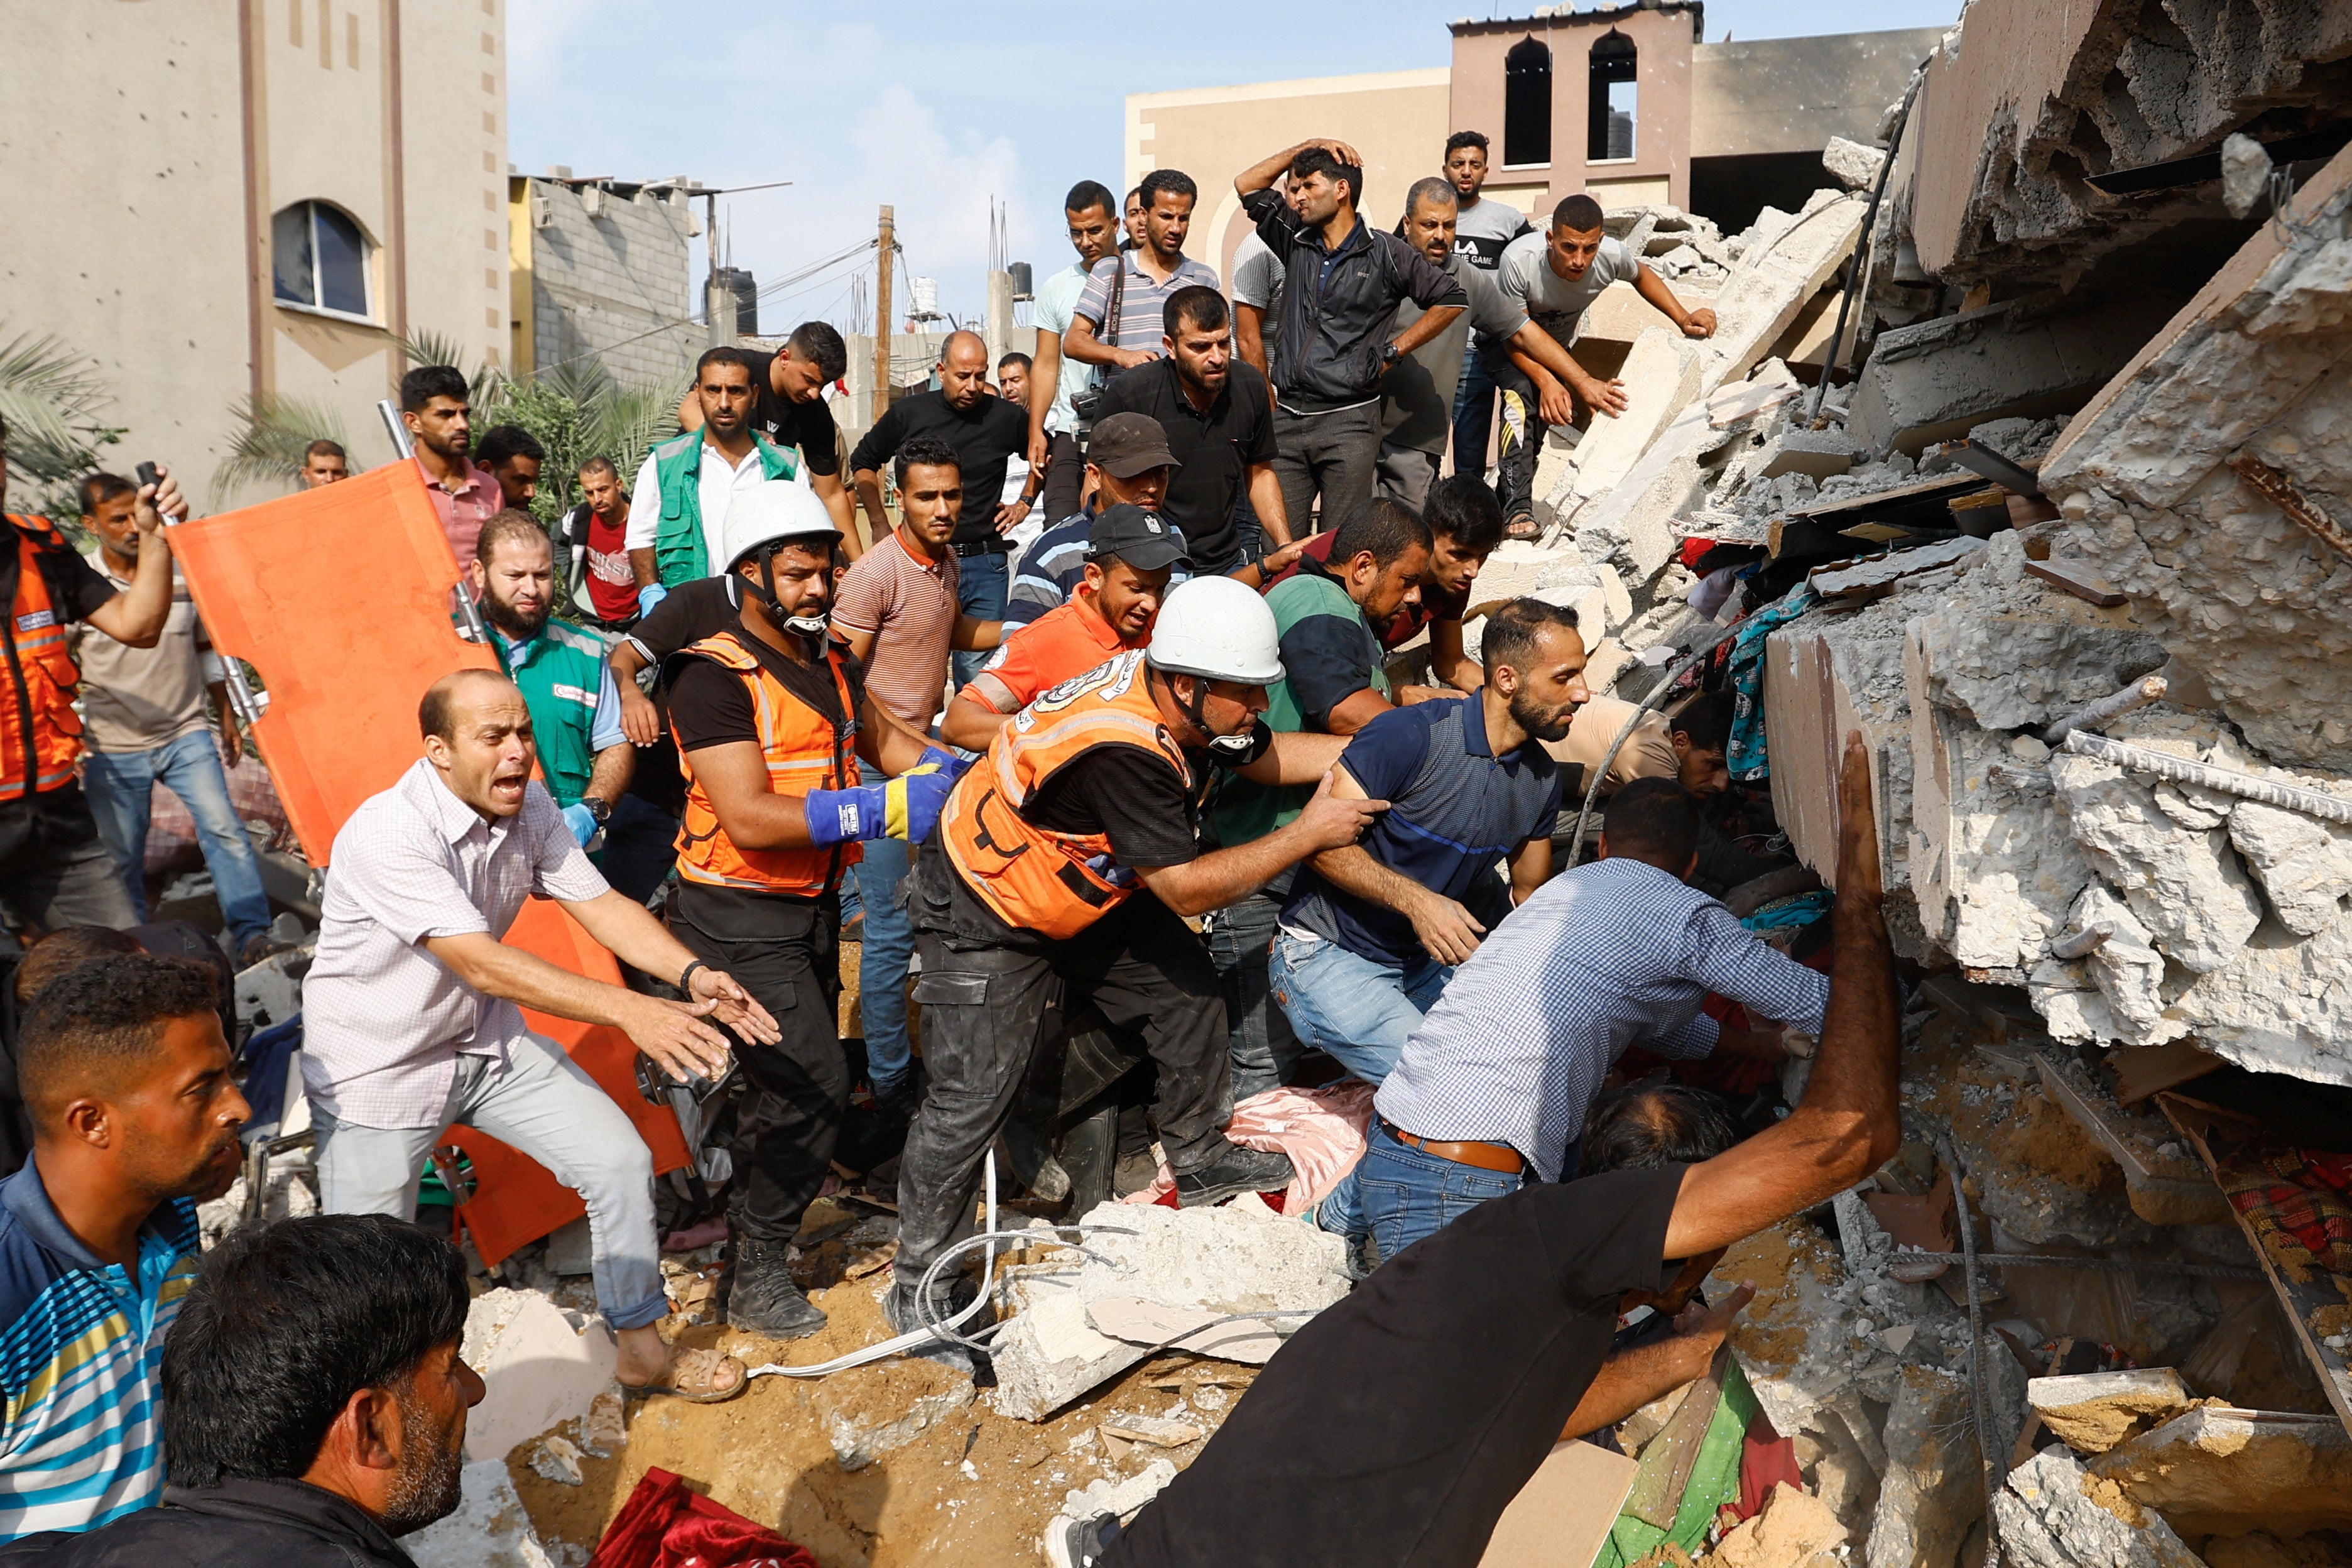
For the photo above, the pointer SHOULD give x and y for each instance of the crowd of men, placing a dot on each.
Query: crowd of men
(1096, 715)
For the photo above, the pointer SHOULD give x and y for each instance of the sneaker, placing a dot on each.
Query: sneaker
(1080, 1543)
(1232, 1173)
(764, 1299)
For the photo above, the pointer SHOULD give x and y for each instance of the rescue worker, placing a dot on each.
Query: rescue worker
(1067, 860)
(54, 869)
(771, 722)
(565, 674)
(688, 485)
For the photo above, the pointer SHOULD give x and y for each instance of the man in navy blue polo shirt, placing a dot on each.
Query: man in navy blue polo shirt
(1371, 932)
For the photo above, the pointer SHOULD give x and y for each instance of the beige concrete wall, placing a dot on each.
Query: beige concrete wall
(1791, 95)
(1660, 169)
(125, 174)
(1395, 120)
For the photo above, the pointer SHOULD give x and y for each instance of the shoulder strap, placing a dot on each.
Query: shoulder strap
(1118, 298)
(722, 649)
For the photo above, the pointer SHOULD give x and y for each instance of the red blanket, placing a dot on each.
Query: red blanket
(663, 1525)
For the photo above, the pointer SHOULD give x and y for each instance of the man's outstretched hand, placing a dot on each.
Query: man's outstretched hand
(1858, 871)
(1697, 1321)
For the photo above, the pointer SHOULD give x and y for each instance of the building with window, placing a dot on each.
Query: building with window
(254, 199)
(598, 271)
(1626, 103)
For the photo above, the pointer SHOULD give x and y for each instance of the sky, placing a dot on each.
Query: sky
(940, 110)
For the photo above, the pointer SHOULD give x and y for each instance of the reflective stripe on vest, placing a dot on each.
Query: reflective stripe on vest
(1071, 880)
(40, 733)
(804, 752)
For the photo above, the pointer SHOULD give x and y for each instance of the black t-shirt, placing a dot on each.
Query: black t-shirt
(692, 611)
(985, 437)
(76, 588)
(808, 426)
(1393, 1429)
(1213, 448)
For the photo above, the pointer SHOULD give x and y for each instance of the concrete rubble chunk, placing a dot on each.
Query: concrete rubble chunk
(1821, 453)
(2222, 1471)
(2127, 968)
(1212, 1258)
(490, 1529)
(1790, 1530)
(858, 1443)
(1123, 1498)
(538, 1371)
(2047, 1516)
(1933, 1489)
(557, 1458)
(2304, 865)
(2280, 1006)
(1850, 164)
(1781, 269)
(1633, 525)
(2185, 886)
(1661, 377)
(2094, 1411)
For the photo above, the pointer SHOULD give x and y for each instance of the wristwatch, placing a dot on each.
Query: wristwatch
(601, 809)
(1389, 355)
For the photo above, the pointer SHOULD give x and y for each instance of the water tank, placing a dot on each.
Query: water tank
(737, 280)
(1022, 286)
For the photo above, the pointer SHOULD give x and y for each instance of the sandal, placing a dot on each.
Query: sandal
(696, 1376)
(1523, 526)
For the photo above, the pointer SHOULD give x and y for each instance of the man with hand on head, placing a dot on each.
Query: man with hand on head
(314, 1404)
(1130, 555)
(412, 1010)
(773, 722)
(678, 506)
(565, 674)
(1064, 866)
(125, 1074)
(789, 411)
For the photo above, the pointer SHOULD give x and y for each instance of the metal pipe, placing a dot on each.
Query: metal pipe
(1592, 793)
(1854, 268)
(390, 412)
(2095, 935)
(2109, 709)
(2208, 776)
(1976, 1348)
(2123, 1265)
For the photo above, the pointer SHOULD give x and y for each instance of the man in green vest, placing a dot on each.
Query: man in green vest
(678, 507)
(1335, 681)
(564, 671)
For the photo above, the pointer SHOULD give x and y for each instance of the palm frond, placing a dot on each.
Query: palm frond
(273, 438)
(49, 399)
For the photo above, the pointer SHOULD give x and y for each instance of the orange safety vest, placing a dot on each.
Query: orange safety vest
(40, 733)
(805, 751)
(1070, 880)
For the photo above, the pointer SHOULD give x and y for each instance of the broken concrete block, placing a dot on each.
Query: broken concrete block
(537, 1370)
(1123, 1498)
(2049, 1516)
(1934, 1485)
(1197, 1258)
(1790, 1531)
(1517, 567)
(1597, 594)
(571, 1250)
(1632, 524)
(603, 1431)
(1661, 377)
(490, 1529)
(2280, 1004)
(1873, 575)
(2041, 355)
(557, 1458)
(2096, 1410)
(2127, 968)
(2185, 886)
(1820, 453)
(1796, 1341)
(1774, 279)
(857, 1442)
(2221, 1471)
(2304, 864)
(1853, 164)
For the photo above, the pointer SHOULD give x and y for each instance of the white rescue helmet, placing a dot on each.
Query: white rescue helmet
(772, 513)
(1217, 628)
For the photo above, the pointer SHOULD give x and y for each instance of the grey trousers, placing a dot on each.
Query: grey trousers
(1332, 455)
(1406, 475)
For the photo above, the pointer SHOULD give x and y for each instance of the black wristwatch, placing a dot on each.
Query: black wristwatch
(598, 808)
(1389, 355)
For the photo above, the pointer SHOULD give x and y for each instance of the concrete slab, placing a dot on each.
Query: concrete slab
(1773, 282)
(2223, 1471)
(538, 1371)
(2049, 1516)
(2094, 1411)
(1661, 377)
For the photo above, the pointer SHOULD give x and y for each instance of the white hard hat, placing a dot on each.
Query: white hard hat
(775, 509)
(1216, 628)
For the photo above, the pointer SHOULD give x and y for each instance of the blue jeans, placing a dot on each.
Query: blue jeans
(1258, 1037)
(882, 961)
(1473, 412)
(1359, 1010)
(120, 785)
(1406, 1194)
(981, 587)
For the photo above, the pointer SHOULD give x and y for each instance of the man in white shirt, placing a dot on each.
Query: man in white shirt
(1553, 277)
(678, 507)
(1054, 380)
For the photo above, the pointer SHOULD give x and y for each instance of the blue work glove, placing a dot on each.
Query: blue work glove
(649, 595)
(948, 762)
(918, 795)
(843, 815)
(582, 823)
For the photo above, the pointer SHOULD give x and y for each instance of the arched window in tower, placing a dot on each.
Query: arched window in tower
(1527, 103)
(1615, 98)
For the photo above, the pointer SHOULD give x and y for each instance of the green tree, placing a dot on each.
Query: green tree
(50, 397)
(274, 434)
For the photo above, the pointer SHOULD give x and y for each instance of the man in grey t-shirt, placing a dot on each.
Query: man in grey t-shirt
(1481, 228)
(1553, 277)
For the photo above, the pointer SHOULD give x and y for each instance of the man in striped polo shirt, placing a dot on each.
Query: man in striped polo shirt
(125, 1073)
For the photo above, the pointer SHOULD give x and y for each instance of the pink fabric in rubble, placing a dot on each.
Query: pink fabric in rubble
(1322, 1131)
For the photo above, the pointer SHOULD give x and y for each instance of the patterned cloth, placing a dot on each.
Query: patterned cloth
(80, 1361)
(383, 1020)
(1322, 1131)
(2300, 1195)
(1748, 759)
(171, 831)
(1608, 955)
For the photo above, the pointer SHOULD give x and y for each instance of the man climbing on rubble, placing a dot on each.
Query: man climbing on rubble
(564, 673)
(1067, 860)
(1395, 1427)
(412, 1013)
(678, 506)
(773, 722)
(1554, 277)
(314, 1404)
(1492, 1089)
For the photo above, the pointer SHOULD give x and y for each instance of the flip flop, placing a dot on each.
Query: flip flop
(1523, 526)
(694, 1376)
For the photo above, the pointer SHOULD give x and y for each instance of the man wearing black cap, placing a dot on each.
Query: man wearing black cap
(1218, 416)
(1130, 555)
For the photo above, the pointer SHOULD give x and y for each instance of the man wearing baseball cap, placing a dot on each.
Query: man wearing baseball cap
(1130, 556)
(773, 722)
(1061, 874)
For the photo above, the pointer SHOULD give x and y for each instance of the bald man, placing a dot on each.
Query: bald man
(986, 432)
(411, 1009)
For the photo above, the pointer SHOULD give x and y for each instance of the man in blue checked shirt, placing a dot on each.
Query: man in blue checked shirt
(126, 1076)
(1493, 1088)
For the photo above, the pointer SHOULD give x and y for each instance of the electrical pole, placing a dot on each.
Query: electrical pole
(885, 246)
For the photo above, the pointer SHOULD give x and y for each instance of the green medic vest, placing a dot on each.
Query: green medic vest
(679, 555)
(561, 672)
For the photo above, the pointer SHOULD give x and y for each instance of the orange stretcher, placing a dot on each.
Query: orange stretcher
(341, 598)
